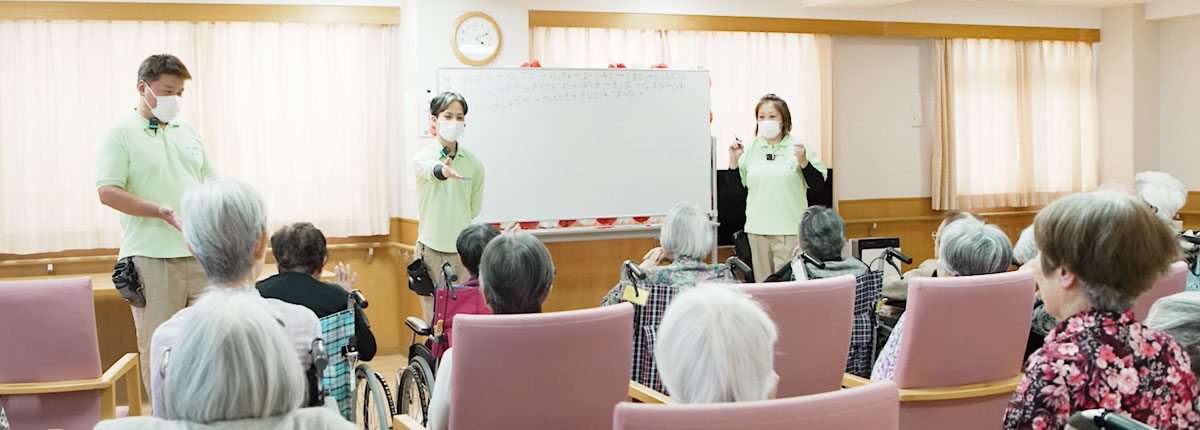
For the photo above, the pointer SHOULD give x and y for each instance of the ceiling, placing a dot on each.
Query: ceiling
(885, 3)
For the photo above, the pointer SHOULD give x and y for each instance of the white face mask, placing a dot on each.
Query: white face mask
(168, 107)
(769, 129)
(451, 130)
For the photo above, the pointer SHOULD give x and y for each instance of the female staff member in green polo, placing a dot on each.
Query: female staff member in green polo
(449, 190)
(776, 170)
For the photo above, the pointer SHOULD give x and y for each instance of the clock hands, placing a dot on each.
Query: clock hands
(482, 35)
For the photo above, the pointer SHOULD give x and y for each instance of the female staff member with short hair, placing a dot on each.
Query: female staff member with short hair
(777, 171)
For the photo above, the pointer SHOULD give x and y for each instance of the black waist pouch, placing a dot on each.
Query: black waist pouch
(418, 278)
(125, 278)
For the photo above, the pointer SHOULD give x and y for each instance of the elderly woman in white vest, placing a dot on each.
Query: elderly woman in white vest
(233, 368)
(225, 227)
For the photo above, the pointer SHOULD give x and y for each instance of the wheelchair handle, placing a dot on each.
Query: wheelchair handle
(812, 260)
(1194, 240)
(633, 270)
(737, 264)
(451, 278)
(356, 297)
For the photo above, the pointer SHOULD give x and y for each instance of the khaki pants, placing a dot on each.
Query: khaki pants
(770, 253)
(433, 263)
(170, 284)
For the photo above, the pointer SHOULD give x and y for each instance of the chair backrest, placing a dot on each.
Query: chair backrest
(874, 406)
(964, 330)
(561, 370)
(814, 320)
(336, 331)
(49, 334)
(1175, 281)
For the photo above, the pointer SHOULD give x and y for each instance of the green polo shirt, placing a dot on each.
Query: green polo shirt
(158, 167)
(776, 189)
(446, 206)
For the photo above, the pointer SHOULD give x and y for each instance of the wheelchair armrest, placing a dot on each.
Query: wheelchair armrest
(644, 394)
(404, 422)
(418, 326)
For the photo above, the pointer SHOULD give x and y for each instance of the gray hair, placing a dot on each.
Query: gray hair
(1026, 247)
(1162, 191)
(1179, 316)
(222, 221)
(970, 247)
(516, 273)
(822, 233)
(442, 102)
(686, 231)
(233, 361)
(716, 344)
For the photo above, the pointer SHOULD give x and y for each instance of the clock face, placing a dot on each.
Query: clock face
(477, 38)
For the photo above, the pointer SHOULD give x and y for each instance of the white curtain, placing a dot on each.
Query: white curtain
(1018, 122)
(743, 67)
(296, 110)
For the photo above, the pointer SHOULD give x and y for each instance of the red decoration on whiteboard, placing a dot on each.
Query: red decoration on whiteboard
(529, 225)
(616, 65)
(495, 224)
(535, 64)
(606, 221)
(659, 66)
(565, 222)
(640, 219)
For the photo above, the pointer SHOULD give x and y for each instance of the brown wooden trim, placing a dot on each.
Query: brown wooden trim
(543, 18)
(336, 244)
(192, 12)
(910, 209)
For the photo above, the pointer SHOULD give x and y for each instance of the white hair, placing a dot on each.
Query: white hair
(222, 221)
(970, 247)
(1179, 316)
(1026, 248)
(686, 231)
(233, 361)
(1161, 190)
(716, 344)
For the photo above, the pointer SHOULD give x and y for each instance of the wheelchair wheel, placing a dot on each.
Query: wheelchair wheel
(415, 387)
(373, 407)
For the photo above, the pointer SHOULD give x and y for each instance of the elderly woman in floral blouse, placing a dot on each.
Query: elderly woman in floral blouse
(1097, 253)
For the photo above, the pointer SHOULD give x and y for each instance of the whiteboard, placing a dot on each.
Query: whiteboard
(586, 143)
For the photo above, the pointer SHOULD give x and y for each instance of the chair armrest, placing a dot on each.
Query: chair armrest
(405, 422)
(644, 394)
(126, 366)
(851, 381)
(1006, 385)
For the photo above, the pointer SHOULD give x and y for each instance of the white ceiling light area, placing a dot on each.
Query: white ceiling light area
(860, 4)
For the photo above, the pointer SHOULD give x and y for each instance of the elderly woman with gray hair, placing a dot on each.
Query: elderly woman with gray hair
(225, 226)
(967, 247)
(515, 274)
(717, 345)
(687, 237)
(233, 368)
(1099, 356)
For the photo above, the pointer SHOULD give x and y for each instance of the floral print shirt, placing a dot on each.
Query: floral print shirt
(1104, 359)
(885, 364)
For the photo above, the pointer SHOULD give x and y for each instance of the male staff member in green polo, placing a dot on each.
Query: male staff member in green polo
(449, 190)
(144, 164)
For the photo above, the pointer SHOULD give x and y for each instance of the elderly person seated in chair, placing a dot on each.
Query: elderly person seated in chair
(225, 227)
(968, 247)
(1178, 315)
(233, 368)
(1097, 252)
(687, 237)
(717, 345)
(1025, 251)
(299, 250)
(895, 289)
(515, 274)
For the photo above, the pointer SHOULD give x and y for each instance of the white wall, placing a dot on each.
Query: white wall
(878, 151)
(1179, 100)
(1127, 94)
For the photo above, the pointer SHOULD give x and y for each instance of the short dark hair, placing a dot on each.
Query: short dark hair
(822, 233)
(785, 115)
(515, 274)
(471, 243)
(442, 102)
(299, 247)
(162, 64)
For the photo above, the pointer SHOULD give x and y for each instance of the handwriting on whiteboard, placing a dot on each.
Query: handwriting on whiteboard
(506, 89)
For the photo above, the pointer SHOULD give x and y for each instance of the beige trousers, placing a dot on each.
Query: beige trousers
(170, 284)
(433, 263)
(770, 253)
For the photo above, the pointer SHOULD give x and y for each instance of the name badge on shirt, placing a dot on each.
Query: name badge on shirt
(635, 295)
(770, 157)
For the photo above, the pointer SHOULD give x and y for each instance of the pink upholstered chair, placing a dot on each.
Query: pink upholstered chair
(1175, 281)
(961, 352)
(50, 360)
(875, 407)
(814, 320)
(557, 370)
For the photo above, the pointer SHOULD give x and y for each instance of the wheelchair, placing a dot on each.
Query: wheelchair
(359, 393)
(414, 383)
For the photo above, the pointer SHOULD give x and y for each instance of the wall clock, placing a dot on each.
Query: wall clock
(476, 39)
